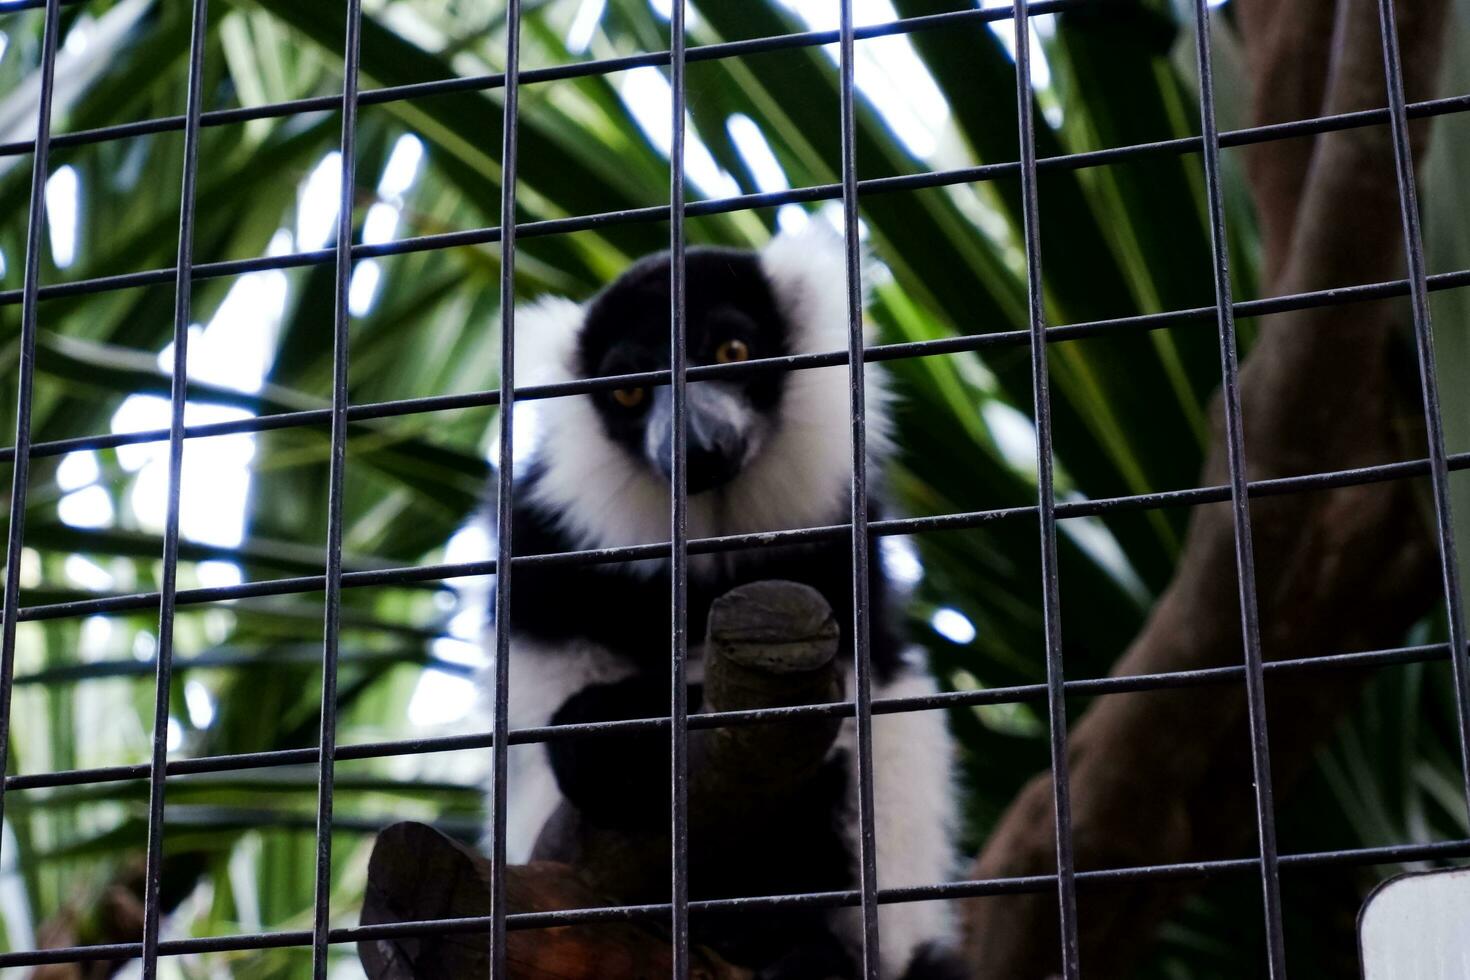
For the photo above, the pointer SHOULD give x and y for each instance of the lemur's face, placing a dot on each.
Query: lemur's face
(731, 316)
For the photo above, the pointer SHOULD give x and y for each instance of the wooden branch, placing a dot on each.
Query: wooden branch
(418, 873)
(1165, 776)
(1287, 46)
(769, 644)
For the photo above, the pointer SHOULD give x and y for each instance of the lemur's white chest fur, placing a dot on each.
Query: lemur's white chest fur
(793, 481)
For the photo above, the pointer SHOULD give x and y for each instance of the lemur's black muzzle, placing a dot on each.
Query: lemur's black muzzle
(718, 423)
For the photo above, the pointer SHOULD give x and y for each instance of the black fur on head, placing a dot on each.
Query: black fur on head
(767, 450)
(730, 315)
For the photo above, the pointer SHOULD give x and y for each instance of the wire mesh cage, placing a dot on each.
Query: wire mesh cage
(1037, 155)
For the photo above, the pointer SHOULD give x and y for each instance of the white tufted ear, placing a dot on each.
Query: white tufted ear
(808, 269)
(546, 340)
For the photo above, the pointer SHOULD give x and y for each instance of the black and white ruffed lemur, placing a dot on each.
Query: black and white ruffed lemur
(769, 451)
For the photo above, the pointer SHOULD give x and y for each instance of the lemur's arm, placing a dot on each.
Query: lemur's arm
(621, 780)
(615, 780)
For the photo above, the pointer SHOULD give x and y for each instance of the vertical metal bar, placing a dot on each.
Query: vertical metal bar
(503, 488)
(25, 378)
(333, 621)
(1439, 475)
(1245, 565)
(178, 391)
(679, 491)
(1056, 701)
(861, 539)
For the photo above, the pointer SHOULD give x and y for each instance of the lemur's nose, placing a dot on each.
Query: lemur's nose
(717, 423)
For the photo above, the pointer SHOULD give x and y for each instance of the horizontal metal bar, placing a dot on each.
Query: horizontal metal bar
(707, 52)
(1030, 884)
(1085, 687)
(15, 6)
(224, 659)
(398, 408)
(495, 80)
(744, 202)
(759, 539)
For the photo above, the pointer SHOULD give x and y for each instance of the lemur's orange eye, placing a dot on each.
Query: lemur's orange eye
(629, 397)
(731, 351)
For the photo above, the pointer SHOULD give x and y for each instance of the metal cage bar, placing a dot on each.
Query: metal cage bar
(14, 6)
(332, 626)
(504, 490)
(861, 539)
(1046, 504)
(1027, 885)
(1085, 687)
(480, 83)
(1017, 694)
(370, 411)
(1245, 568)
(1439, 470)
(368, 578)
(678, 514)
(20, 479)
(821, 192)
(1095, 686)
(178, 395)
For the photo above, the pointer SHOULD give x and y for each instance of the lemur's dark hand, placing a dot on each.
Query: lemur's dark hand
(820, 958)
(616, 780)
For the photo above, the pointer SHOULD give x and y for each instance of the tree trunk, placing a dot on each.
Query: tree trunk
(1165, 776)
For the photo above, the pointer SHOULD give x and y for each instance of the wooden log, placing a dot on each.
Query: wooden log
(770, 645)
(417, 873)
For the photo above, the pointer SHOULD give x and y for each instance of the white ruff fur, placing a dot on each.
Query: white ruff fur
(914, 818)
(542, 678)
(606, 498)
(913, 787)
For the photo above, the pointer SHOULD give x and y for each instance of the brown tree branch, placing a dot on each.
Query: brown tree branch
(417, 873)
(1165, 776)
(1287, 47)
